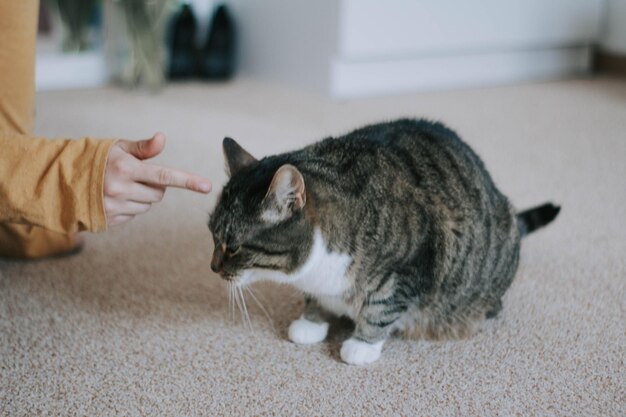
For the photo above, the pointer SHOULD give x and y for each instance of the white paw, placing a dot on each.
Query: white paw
(304, 332)
(356, 352)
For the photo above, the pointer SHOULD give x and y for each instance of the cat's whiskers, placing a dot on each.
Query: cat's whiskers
(258, 303)
(227, 288)
(235, 300)
(245, 308)
(231, 300)
(238, 302)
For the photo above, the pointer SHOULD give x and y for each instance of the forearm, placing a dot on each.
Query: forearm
(55, 184)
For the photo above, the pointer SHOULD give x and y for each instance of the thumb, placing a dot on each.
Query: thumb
(145, 149)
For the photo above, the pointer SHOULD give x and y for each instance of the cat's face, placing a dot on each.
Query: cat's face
(257, 223)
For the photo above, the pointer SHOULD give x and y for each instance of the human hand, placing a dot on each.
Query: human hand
(131, 185)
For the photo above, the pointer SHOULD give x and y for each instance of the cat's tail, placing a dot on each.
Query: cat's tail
(532, 219)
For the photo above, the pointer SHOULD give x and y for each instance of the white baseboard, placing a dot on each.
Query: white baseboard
(360, 79)
(61, 71)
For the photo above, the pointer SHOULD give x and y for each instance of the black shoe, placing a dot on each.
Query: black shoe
(182, 38)
(217, 59)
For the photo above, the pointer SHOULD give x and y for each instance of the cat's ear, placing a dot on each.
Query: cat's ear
(285, 196)
(236, 156)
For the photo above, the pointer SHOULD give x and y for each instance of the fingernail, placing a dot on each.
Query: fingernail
(204, 187)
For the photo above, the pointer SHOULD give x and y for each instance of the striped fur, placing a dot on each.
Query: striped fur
(433, 243)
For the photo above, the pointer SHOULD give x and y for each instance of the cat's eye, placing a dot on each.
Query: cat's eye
(232, 249)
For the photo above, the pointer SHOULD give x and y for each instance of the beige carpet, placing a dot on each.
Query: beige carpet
(138, 325)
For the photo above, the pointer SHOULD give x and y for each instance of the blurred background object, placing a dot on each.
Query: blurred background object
(182, 41)
(78, 49)
(76, 15)
(69, 45)
(611, 54)
(348, 48)
(137, 30)
(217, 56)
(211, 58)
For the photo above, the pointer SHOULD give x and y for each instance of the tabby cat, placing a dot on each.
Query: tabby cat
(397, 226)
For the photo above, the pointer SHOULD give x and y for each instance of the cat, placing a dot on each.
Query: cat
(396, 225)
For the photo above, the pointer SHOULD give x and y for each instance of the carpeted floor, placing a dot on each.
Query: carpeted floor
(138, 325)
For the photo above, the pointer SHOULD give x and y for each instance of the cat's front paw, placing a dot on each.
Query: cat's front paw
(305, 332)
(357, 352)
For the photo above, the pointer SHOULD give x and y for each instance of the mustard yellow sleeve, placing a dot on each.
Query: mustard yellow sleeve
(55, 184)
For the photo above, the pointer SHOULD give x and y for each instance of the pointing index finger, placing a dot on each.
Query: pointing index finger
(170, 177)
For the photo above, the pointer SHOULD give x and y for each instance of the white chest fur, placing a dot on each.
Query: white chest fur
(324, 272)
(323, 275)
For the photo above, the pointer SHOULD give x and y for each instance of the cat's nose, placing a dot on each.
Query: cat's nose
(217, 263)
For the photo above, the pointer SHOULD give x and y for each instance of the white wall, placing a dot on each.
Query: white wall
(287, 40)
